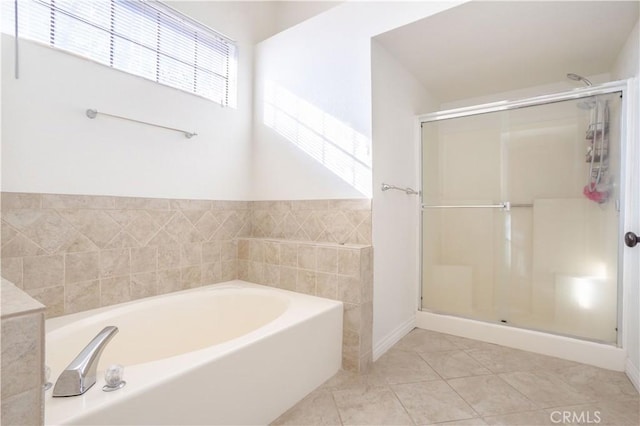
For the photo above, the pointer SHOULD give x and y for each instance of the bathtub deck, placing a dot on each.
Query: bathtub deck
(430, 378)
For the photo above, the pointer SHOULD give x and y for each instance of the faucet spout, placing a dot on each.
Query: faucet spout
(80, 375)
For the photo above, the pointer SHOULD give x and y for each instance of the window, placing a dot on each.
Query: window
(145, 38)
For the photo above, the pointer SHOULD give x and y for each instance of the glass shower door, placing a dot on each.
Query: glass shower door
(520, 216)
(463, 253)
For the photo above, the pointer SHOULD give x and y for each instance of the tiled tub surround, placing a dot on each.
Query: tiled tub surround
(334, 271)
(78, 252)
(22, 358)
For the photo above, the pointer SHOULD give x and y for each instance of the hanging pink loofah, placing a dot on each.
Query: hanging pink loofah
(594, 195)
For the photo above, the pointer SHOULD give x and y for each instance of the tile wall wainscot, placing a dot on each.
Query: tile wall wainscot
(334, 271)
(78, 252)
(22, 358)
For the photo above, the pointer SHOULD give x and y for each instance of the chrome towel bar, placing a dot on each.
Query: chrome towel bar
(408, 191)
(92, 113)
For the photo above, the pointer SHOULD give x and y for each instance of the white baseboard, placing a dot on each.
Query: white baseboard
(633, 373)
(600, 355)
(394, 337)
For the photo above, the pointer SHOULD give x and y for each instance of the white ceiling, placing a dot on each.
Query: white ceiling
(481, 48)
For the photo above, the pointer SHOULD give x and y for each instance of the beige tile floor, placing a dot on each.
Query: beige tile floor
(434, 378)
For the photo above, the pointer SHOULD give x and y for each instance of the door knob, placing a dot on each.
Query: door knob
(631, 239)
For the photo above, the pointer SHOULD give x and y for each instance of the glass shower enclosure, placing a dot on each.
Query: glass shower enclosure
(520, 215)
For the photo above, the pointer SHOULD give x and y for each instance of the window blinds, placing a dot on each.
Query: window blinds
(145, 38)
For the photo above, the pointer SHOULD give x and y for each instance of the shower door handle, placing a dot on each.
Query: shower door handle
(631, 239)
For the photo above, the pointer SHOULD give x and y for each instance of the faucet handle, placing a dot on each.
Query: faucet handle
(80, 374)
(113, 378)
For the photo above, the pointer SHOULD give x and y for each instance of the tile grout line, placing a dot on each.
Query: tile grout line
(492, 373)
(335, 404)
(413, 421)
(446, 381)
(450, 387)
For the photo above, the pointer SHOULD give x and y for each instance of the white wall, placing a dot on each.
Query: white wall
(397, 98)
(50, 146)
(628, 66)
(628, 61)
(290, 13)
(325, 64)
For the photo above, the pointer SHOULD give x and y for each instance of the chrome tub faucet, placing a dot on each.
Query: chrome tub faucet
(80, 375)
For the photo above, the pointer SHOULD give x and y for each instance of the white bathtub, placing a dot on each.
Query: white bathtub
(230, 353)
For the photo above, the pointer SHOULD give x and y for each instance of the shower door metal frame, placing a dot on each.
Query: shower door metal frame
(621, 86)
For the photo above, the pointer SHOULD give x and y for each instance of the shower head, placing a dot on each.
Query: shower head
(576, 77)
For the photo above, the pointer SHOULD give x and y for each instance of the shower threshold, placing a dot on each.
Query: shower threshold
(587, 352)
